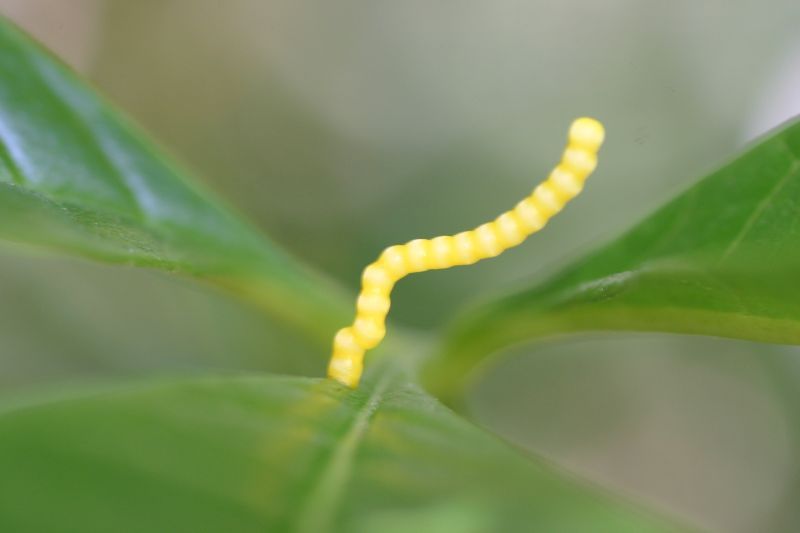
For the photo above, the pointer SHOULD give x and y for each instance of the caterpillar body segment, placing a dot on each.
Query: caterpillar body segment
(487, 240)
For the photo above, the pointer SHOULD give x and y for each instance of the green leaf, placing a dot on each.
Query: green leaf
(281, 454)
(78, 178)
(722, 259)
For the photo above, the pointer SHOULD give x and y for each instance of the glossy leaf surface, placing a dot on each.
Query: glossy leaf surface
(78, 178)
(722, 259)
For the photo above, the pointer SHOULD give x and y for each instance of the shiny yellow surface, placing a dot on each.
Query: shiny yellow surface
(488, 240)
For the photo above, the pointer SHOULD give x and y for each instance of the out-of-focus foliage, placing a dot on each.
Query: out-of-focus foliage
(280, 454)
(343, 134)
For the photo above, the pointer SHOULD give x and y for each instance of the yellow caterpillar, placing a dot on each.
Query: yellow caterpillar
(488, 240)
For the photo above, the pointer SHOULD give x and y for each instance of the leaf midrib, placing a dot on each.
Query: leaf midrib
(318, 509)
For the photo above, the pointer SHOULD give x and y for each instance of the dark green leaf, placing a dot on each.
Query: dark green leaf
(280, 454)
(721, 259)
(78, 178)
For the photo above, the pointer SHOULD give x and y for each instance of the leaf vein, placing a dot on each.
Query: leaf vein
(759, 211)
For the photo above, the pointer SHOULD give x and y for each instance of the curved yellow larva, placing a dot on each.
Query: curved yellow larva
(444, 252)
(531, 218)
(373, 304)
(393, 259)
(546, 199)
(418, 254)
(579, 160)
(487, 241)
(464, 244)
(509, 230)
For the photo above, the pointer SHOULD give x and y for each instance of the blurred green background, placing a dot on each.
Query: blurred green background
(342, 127)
